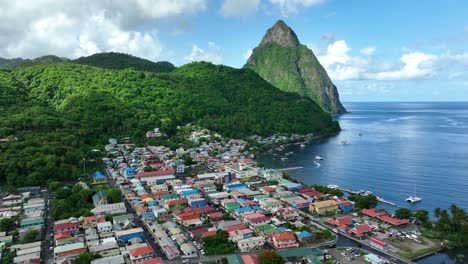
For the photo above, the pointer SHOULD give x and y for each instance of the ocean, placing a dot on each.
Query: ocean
(404, 149)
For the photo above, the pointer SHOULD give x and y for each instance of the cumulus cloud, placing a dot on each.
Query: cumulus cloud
(288, 7)
(75, 28)
(211, 54)
(339, 64)
(370, 50)
(231, 8)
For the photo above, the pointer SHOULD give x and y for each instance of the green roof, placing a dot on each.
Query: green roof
(169, 196)
(234, 259)
(309, 253)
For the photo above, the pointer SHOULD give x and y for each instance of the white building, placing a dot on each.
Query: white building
(251, 243)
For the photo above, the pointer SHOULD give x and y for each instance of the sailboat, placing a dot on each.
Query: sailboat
(344, 142)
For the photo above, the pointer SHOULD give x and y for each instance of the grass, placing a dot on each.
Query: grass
(420, 252)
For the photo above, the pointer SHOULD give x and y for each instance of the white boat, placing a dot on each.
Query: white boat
(413, 199)
(318, 157)
(303, 145)
(333, 186)
(284, 158)
(367, 193)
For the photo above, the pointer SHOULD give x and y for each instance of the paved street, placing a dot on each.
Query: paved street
(47, 254)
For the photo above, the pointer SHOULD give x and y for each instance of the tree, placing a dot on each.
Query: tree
(403, 213)
(7, 225)
(31, 236)
(114, 195)
(85, 258)
(270, 257)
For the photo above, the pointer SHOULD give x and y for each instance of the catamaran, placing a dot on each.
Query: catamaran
(413, 199)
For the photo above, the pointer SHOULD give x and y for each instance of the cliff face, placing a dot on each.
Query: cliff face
(290, 66)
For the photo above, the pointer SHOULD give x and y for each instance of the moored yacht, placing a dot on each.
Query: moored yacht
(413, 199)
(318, 157)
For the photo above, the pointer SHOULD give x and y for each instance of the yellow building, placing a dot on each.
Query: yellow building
(324, 207)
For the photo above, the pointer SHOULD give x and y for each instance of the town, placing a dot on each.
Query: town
(207, 201)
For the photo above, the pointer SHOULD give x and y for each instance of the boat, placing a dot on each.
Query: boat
(318, 157)
(333, 186)
(413, 199)
(284, 158)
(344, 142)
(302, 145)
(367, 193)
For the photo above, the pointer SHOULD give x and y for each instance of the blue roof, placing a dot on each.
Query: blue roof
(304, 234)
(281, 228)
(129, 170)
(98, 175)
(246, 209)
(148, 215)
(188, 192)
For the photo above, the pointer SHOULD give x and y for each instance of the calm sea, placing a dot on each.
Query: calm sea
(405, 149)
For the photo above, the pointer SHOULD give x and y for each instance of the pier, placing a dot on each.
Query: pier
(291, 168)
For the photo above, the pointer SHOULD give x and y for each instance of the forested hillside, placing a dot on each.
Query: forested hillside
(120, 61)
(58, 112)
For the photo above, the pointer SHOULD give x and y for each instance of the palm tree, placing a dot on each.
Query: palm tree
(437, 212)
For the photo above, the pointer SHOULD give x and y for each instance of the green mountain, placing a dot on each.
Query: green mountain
(6, 63)
(58, 112)
(120, 61)
(284, 62)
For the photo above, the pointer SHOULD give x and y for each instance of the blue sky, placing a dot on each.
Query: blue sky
(373, 50)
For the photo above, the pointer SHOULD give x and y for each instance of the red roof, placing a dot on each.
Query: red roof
(72, 225)
(340, 221)
(141, 251)
(152, 261)
(269, 189)
(393, 221)
(174, 202)
(62, 235)
(283, 236)
(250, 259)
(377, 241)
(88, 219)
(361, 230)
(372, 213)
(209, 233)
(314, 193)
(154, 173)
(346, 203)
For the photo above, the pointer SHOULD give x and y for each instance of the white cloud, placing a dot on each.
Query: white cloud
(70, 28)
(339, 64)
(247, 54)
(455, 75)
(416, 65)
(288, 7)
(211, 54)
(231, 8)
(370, 50)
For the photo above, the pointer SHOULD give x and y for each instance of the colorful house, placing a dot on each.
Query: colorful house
(98, 177)
(346, 206)
(284, 240)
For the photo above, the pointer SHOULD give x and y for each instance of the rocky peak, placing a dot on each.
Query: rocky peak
(281, 34)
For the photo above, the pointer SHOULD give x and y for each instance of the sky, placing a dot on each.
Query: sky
(394, 50)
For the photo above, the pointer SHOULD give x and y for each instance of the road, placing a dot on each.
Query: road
(47, 254)
(138, 222)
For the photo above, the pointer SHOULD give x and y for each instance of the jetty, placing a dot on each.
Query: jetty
(291, 168)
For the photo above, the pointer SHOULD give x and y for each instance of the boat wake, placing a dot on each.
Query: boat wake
(317, 164)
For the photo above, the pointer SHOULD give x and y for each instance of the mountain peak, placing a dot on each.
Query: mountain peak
(281, 34)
